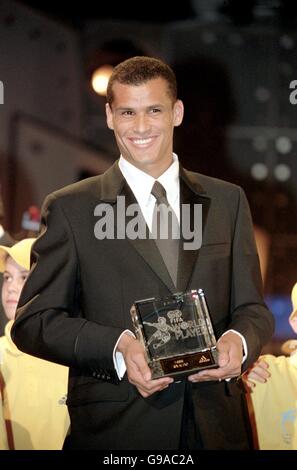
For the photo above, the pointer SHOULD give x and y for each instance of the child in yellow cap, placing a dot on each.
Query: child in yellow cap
(34, 390)
(15, 266)
(274, 394)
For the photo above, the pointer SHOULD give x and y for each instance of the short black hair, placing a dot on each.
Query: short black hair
(140, 69)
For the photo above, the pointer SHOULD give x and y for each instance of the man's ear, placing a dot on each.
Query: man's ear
(109, 116)
(178, 113)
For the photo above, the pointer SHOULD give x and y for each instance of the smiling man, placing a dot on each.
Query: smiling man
(143, 118)
(75, 307)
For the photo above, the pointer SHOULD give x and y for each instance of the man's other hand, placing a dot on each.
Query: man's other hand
(230, 352)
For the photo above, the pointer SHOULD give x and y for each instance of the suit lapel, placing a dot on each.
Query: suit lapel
(190, 193)
(113, 184)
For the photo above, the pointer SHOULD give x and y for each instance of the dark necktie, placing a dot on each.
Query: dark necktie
(165, 229)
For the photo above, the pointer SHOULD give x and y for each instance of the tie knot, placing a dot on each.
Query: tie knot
(159, 192)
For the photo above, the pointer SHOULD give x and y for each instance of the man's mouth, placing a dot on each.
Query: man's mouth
(142, 142)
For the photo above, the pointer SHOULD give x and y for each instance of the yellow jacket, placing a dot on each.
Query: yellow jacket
(275, 405)
(3, 436)
(34, 398)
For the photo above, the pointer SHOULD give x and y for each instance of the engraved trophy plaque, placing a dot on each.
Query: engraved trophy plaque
(176, 333)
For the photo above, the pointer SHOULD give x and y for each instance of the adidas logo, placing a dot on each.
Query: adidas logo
(203, 359)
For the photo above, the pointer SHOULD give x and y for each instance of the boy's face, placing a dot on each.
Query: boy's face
(14, 278)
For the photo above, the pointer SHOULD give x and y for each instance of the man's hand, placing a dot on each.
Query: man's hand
(138, 371)
(257, 373)
(230, 352)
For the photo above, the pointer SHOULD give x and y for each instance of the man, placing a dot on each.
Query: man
(75, 306)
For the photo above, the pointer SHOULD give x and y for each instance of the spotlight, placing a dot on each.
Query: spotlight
(100, 79)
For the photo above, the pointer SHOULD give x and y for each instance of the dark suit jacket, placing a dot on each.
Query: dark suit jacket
(77, 301)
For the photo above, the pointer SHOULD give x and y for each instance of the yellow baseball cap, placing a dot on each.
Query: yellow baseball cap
(20, 252)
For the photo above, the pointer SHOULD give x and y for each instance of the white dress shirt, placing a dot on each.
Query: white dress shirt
(141, 185)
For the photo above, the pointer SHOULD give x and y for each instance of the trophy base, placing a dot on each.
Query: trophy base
(185, 364)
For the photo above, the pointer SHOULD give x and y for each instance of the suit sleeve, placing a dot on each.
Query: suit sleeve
(49, 323)
(250, 315)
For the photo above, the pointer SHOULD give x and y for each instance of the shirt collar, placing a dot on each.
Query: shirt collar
(141, 183)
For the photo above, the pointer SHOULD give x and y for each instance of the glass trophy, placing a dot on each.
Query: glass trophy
(176, 333)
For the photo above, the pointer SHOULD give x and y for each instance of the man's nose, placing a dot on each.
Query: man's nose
(141, 124)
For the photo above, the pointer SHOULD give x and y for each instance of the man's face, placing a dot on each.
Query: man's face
(143, 118)
(14, 278)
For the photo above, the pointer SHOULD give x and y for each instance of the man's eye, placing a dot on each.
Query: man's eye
(127, 113)
(155, 110)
